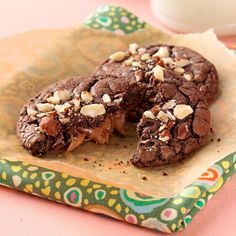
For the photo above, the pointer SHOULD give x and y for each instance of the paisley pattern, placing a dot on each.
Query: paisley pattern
(165, 214)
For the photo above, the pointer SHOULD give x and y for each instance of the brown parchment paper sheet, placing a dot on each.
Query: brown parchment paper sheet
(31, 61)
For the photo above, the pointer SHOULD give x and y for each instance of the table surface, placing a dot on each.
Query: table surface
(23, 214)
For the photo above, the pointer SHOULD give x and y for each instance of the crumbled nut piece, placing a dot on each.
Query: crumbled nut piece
(63, 95)
(179, 70)
(170, 104)
(40, 115)
(118, 100)
(162, 52)
(162, 127)
(117, 56)
(93, 110)
(181, 111)
(141, 50)
(168, 60)
(188, 76)
(137, 64)
(106, 98)
(182, 63)
(64, 120)
(86, 96)
(63, 108)
(76, 102)
(149, 114)
(170, 115)
(49, 125)
(31, 112)
(138, 75)
(45, 107)
(162, 116)
(164, 136)
(129, 61)
(145, 57)
(133, 48)
(53, 99)
(158, 73)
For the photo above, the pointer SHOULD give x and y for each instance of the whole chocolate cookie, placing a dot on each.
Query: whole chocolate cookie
(137, 63)
(175, 127)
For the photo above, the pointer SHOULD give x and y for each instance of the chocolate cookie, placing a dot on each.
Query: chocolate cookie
(77, 109)
(175, 127)
(137, 64)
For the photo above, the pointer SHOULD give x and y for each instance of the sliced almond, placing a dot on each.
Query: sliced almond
(63, 108)
(141, 50)
(40, 115)
(182, 63)
(181, 111)
(164, 139)
(179, 70)
(145, 57)
(93, 110)
(106, 98)
(162, 116)
(162, 52)
(149, 114)
(31, 112)
(158, 73)
(86, 96)
(45, 107)
(169, 105)
(117, 56)
(133, 48)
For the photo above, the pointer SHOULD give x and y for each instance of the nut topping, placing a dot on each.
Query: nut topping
(162, 117)
(169, 105)
(106, 98)
(137, 64)
(149, 114)
(164, 136)
(59, 96)
(188, 76)
(158, 73)
(133, 48)
(86, 96)
(179, 70)
(63, 108)
(129, 61)
(182, 111)
(138, 75)
(49, 125)
(162, 52)
(93, 110)
(117, 56)
(44, 107)
(145, 57)
(31, 112)
(182, 63)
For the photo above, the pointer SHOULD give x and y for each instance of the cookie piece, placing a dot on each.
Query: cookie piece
(175, 127)
(74, 110)
(137, 64)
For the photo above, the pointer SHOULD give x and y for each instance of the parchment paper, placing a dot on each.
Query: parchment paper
(31, 61)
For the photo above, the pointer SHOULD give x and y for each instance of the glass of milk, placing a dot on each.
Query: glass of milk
(196, 16)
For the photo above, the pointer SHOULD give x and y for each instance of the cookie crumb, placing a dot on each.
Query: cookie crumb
(85, 159)
(212, 130)
(125, 146)
(164, 173)
(218, 139)
(212, 140)
(144, 178)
